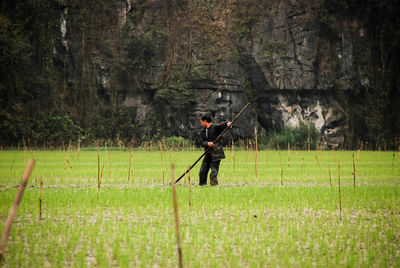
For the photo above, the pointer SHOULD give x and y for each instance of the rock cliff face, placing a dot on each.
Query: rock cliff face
(283, 64)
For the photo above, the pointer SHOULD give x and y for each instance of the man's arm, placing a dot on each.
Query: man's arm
(203, 142)
(222, 126)
(219, 129)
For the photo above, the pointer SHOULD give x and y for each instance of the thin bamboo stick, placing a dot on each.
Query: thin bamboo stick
(162, 164)
(40, 198)
(14, 206)
(130, 163)
(190, 190)
(316, 157)
(399, 159)
(340, 194)
(354, 172)
(280, 158)
(109, 164)
(98, 174)
(394, 156)
(256, 164)
(176, 217)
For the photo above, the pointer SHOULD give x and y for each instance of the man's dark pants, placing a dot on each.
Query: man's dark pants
(206, 165)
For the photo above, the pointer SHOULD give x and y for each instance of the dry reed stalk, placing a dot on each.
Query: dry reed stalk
(24, 153)
(98, 174)
(40, 198)
(316, 157)
(175, 203)
(330, 176)
(99, 183)
(233, 168)
(79, 146)
(12, 164)
(308, 139)
(162, 163)
(190, 190)
(130, 163)
(280, 158)
(256, 144)
(288, 157)
(399, 158)
(65, 162)
(340, 194)
(109, 164)
(354, 172)
(14, 206)
(30, 149)
(70, 149)
(394, 155)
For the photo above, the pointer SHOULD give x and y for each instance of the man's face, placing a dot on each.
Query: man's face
(205, 124)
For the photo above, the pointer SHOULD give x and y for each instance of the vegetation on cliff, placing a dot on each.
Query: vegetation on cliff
(67, 67)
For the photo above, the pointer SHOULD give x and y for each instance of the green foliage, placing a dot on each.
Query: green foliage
(296, 137)
(55, 128)
(176, 142)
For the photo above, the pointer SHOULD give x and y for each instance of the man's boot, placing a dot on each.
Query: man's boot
(213, 181)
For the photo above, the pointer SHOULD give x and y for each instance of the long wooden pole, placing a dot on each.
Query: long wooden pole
(216, 139)
(14, 206)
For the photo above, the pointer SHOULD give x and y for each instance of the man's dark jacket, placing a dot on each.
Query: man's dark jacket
(210, 134)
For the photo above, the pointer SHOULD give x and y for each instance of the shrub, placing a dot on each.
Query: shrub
(296, 137)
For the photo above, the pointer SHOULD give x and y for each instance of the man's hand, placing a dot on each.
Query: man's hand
(210, 144)
(229, 124)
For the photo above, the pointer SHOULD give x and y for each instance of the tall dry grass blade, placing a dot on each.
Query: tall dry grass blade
(330, 176)
(308, 139)
(176, 217)
(190, 190)
(399, 159)
(233, 160)
(394, 156)
(162, 164)
(14, 206)
(316, 157)
(354, 172)
(247, 148)
(40, 198)
(340, 193)
(130, 163)
(256, 144)
(65, 162)
(79, 146)
(98, 174)
(280, 158)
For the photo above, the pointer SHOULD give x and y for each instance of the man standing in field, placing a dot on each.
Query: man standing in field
(213, 158)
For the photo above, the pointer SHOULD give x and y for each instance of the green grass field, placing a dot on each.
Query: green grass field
(248, 220)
